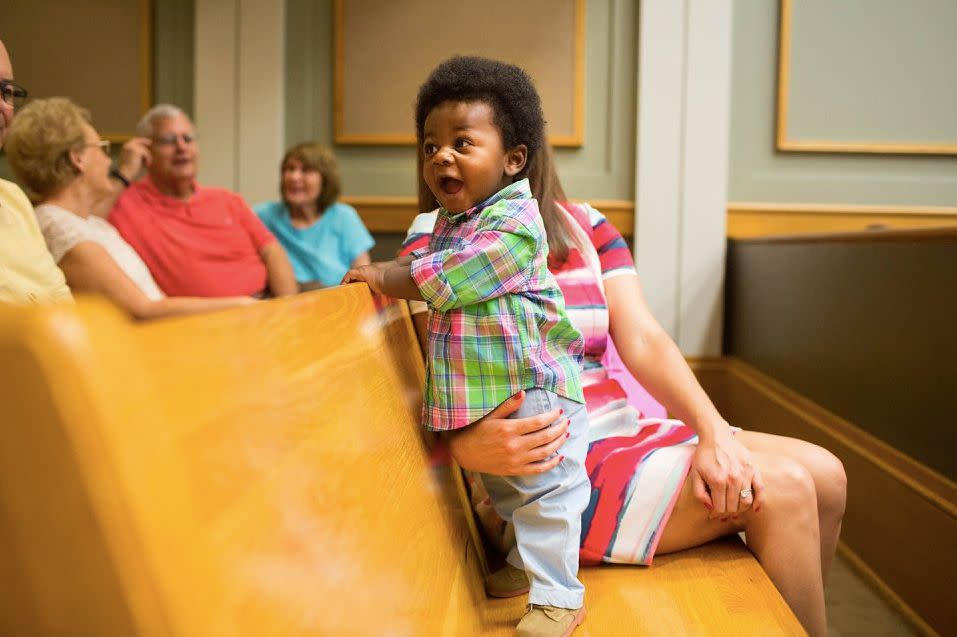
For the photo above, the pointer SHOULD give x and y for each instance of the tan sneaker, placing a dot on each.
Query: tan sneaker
(549, 621)
(507, 581)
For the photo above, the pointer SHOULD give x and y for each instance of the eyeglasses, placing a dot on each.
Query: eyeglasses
(172, 138)
(12, 93)
(104, 144)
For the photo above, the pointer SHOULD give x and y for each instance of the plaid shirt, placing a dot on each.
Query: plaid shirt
(497, 321)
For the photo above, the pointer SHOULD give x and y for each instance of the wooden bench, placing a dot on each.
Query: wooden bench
(261, 472)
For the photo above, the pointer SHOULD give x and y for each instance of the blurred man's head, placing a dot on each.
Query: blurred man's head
(175, 153)
(10, 93)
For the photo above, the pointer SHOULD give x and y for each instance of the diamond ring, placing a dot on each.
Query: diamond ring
(746, 493)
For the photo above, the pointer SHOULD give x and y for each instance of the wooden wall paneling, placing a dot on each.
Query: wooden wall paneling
(900, 526)
(862, 324)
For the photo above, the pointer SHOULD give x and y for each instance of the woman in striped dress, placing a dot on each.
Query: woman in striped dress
(656, 485)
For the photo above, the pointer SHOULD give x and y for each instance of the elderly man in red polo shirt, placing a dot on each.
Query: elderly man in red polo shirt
(196, 240)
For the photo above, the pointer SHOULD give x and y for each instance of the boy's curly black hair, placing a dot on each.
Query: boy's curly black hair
(505, 87)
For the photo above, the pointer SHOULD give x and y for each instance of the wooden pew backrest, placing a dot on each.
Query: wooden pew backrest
(252, 472)
(261, 472)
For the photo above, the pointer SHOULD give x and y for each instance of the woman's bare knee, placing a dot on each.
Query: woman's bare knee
(830, 481)
(789, 487)
(827, 471)
(832, 488)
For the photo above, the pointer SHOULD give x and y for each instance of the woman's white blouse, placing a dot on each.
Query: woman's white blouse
(63, 230)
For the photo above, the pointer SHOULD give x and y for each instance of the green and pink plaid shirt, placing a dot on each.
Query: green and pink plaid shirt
(497, 321)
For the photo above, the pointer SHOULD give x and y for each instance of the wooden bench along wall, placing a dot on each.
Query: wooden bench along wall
(261, 472)
(862, 324)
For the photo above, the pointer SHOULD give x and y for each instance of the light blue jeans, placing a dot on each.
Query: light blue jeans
(546, 509)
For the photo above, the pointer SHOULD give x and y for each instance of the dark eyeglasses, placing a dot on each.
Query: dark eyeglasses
(12, 93)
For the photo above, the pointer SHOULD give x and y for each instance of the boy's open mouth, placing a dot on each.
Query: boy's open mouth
(450, 185)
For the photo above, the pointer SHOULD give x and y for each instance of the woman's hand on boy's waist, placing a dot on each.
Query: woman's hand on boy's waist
(504, 446)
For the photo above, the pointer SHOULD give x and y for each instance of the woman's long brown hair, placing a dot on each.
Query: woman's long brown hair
(546, 188)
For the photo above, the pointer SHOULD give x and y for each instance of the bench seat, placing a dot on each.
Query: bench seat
(260, 471)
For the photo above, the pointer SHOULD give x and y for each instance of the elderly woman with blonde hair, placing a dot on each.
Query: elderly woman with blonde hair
(322, 236)
(63, 164)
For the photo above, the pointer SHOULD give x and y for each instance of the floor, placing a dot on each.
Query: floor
(855, 610)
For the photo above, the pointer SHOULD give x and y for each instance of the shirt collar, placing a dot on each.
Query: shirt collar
(517, 190)
(155, 192)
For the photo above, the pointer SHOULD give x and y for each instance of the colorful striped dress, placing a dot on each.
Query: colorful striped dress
(637, 458)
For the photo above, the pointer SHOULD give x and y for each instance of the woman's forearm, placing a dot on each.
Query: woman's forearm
(659, 366)
(655, 361)
(180, 305)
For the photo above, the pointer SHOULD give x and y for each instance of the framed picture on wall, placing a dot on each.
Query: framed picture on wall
(873, 77)
(96, 52)
(385, 50)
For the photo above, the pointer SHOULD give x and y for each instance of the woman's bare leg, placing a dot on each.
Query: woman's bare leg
(784, 535)
(830, 483)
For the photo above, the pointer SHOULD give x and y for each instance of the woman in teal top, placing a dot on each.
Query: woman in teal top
(323, 237)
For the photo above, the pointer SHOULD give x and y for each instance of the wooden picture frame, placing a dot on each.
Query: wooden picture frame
(374, 93)
(101, 56)
(786, 141)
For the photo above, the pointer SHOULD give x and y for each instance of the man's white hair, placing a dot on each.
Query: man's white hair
(144, 128)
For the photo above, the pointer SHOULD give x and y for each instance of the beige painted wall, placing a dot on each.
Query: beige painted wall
(602, 169)
(759, 173)
(173, 48)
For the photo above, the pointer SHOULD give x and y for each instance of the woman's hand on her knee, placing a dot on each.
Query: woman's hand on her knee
(510, 447)
(721, 471)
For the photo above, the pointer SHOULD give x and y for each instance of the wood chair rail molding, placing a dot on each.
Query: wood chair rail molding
(763, 219)
(394, 214)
